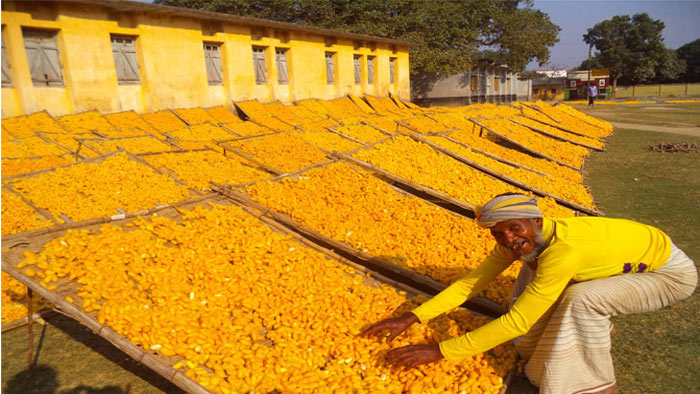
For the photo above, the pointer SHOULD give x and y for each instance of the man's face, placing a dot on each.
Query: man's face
(522, 236)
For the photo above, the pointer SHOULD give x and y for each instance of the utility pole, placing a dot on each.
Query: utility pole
(588, 85)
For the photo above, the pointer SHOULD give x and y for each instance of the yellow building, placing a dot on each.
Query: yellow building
(545, 88)
(74, 56)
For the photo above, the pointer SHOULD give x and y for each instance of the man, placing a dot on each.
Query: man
(577, 273)
(592, 94)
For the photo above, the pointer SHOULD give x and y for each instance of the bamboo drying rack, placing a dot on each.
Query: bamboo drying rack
(557, 137)
(556, 124)
(156, 362)
(505, 178)
(68, 222)
(523, 147)
(491, 155)
(414, 279)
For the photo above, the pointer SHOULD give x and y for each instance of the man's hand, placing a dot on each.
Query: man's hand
(391, 327)
(414, 355)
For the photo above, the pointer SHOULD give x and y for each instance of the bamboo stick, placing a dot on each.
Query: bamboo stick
(557, 137)
(378, 128)
(250, 158)
(505, 178)
(112, 336)
(230, 131)
(402, 124)
(25, 320)
(492, 156)
(330, 129)
(187, 124)
(432, 192)
(535, 108)
(397, 274)
(529, 150)
(20, 238)
(560, 127)
(30, 330)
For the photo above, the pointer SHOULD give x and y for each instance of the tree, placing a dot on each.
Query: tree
(450, 34)
(632, 48)
(690, 52)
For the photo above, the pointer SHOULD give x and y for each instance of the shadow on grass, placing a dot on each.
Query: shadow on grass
(40, 379)
(43, 378)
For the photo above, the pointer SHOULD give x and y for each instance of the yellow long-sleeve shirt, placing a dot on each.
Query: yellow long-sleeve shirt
(579, 249)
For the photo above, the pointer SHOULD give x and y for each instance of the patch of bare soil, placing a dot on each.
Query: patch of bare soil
(694, 131)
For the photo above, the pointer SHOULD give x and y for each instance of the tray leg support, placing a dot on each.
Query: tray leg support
(30, 350)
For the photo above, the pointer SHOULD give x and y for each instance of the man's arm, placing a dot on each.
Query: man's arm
(465, 288)
(553, 275)
(491, 267)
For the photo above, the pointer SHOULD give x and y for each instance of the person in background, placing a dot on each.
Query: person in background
(592, 94)
(577, 273)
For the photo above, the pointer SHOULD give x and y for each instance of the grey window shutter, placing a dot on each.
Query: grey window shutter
(132, 62)
(370, 70)
(282, 72)
(259, 64)
(330, 69)
(212, 58)
(44, 64)
(6, 76)
(125, 60)
(392, 69)
(358, 78)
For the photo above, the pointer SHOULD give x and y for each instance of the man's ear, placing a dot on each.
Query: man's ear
(537, 222)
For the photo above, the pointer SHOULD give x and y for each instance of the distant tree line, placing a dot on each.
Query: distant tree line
(452, 35)
(633, 49)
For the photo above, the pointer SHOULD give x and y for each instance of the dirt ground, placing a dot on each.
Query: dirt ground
(681, 129)
(694, 131)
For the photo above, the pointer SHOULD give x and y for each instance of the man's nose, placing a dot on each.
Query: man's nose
(509, 237)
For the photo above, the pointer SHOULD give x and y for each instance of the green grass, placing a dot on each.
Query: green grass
(655, 352)
(681, 115)
(72, 360)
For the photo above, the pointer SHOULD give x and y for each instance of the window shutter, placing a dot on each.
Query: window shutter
(282, 76)
(42, 54)
(392, 69)
(132, 63)
(259, 65)
(212, 57)
(6, 76)
(125, 60)
(330, 69)
(370, 70)
(118, 58)
(358, 74)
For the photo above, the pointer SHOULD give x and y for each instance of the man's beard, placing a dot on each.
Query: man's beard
(537, 248)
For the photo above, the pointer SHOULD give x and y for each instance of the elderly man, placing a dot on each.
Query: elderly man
(577, 273)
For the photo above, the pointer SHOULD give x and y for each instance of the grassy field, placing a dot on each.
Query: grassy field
(656, 352)
(681, 114)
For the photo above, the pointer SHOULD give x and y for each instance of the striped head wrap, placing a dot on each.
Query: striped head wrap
(506, 207)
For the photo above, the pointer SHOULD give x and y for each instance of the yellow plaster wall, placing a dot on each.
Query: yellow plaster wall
(172, 66)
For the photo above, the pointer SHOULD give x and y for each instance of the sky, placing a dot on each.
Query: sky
(575, 17)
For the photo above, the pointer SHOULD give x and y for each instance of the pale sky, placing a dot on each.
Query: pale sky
(681, 20)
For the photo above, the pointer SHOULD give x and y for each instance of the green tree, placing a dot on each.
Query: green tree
(690, 52)
(451, 35)
(633, 49)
